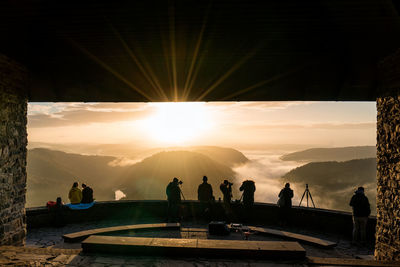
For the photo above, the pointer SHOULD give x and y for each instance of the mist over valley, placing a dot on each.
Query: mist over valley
(51, 174)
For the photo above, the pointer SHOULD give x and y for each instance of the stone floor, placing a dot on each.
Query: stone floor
(45, 247)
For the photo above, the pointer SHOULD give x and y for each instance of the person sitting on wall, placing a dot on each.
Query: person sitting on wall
(285, 203)
(248, 187)
(174, 199)
(361, 210)
(75, 194)
(87, 194)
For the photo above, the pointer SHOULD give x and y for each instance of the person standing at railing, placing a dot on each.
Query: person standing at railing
(174, 199)
(206, 198)
(361, 210)
(285, 203)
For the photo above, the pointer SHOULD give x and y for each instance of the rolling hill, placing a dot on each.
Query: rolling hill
(331, 154)
(51, 173)
(332, 183)
(149, 178)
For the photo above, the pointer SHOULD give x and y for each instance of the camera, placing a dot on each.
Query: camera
(230, 184)
(180, 182)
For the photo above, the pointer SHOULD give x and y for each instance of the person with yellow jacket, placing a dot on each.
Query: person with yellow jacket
(75, 194)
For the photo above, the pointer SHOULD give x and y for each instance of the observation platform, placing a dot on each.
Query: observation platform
(46, 245)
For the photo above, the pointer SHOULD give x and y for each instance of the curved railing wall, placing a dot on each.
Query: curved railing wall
(129, 211)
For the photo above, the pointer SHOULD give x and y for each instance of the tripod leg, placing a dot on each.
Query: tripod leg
(312, 200)
(307, 196)
(302, 198)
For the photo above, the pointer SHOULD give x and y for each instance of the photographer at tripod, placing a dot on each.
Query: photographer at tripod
(226, 189)
(174, 199)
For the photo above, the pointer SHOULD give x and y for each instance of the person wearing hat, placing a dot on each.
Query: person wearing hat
(361, 210)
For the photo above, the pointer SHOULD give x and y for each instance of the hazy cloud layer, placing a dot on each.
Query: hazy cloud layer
(42, 116)
(224, 123)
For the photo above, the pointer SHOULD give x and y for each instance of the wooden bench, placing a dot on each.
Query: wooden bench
(194, 247)
(293, 236)
(79, 236)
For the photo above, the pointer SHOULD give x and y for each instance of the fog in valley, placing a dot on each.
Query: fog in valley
(269, 142)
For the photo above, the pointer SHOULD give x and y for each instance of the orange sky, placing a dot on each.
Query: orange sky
(200, 123)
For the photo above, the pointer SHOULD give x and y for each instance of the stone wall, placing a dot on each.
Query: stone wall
(388, 161)
(13, 141)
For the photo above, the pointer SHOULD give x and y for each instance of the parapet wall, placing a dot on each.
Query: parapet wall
(318, 220)
(13, 141)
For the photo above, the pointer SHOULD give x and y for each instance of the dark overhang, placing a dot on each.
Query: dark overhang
(158, 50)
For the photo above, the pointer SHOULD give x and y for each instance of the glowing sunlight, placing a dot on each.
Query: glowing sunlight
(176, 123)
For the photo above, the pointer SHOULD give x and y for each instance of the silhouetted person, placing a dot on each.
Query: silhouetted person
(87, 194)
(285, 203)
(75, 194)
(248, 187)
(361, 211)
(205, 192)
(58, 214)
(205, 196)
(226, 189)
(174, 199)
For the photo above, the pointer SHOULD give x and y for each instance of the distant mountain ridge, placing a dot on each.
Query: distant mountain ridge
(333, 183)
(331, 154)
(149, 178)
(51, 173)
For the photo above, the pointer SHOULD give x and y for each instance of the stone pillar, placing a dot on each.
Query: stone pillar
(13, 141)
(387, 245)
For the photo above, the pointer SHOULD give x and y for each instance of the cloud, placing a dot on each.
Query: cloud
(306, 125)
(123, 162)
(80, 114)
(255, 106)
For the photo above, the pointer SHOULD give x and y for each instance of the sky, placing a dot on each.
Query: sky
(234, 124)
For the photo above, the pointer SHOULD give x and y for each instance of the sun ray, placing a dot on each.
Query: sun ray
(234, 68)
(110, 69)
(171, 13)
(189, 81)
(261, 83)
(149, 77)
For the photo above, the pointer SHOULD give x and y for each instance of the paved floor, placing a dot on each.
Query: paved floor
(45, 247)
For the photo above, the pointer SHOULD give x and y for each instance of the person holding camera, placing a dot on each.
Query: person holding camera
(226, 189)
(174, 199)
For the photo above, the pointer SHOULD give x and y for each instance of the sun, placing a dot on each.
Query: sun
(178, 122)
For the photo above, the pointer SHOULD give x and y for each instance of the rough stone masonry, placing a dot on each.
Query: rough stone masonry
(13, 142)
(387, 245)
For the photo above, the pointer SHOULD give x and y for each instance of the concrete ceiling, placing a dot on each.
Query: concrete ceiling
(198, 50)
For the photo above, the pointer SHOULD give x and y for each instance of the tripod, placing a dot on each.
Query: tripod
(180, 190)
(307, 193)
